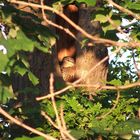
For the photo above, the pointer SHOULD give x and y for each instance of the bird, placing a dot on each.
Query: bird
(68, 69)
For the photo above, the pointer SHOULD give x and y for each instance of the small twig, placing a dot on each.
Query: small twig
(64, 130)
(69, 136)
(114, 25)
(62, 118)
(124, 10)
(66, 30)
(101, 87)
(111, 110)
(4, 113)
(54, 106)
(79, 80)
(49, 119)
(53, 100)
(74, 83)
(106, 42)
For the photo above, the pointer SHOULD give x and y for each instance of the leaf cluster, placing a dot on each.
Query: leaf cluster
(84, 118)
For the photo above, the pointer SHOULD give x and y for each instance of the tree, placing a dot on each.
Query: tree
(33, 95)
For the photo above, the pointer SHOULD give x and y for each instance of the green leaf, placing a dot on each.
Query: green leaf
(25, 43)
(100, 17)
(108, 26)
(127, 127)
(76, 106)
(3, 61)
(134, 5)
(5, 94)
(12, 33)
(47, 40)
(58, 6)
(78, 134)
(28, 138)
(33, 78)
(126, 136)
(47, 107)
(5, 79)
(21, 42)
(42, 48)
(115, 82)
(88, 2)
(20, 68)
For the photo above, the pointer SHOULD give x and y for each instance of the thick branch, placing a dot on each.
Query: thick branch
(4, 113)
(66, 30)
(79, 80)
(124, 87)
(78, 28)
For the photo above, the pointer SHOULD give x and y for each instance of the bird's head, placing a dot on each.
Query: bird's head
(68, 62)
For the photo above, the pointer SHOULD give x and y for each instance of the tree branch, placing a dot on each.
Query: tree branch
(79, 80)
(124, 10)
(54, 106)
(64, 129)
(106, 42)
(4, 113)
(49, 119)
(66, 30)
(62, 118)
(109, 87)
(114, 106)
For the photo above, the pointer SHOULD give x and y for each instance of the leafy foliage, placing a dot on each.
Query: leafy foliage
(24, 34)
(81, 114)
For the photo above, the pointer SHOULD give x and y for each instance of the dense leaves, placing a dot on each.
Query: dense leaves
(22, 33)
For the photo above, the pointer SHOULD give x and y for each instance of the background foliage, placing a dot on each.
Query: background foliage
(84, 118)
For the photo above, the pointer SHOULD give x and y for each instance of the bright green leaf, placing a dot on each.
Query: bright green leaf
(12, 33)
(20, 70)
(3, 61)
(108, 26)
(78, 134)
(88, 2)
(134, 5)
(33, 78)
(21, 42)
(115, 82)
(5, 94)
(100, 17)
(127, 127)
(126, 136)
(29, 138)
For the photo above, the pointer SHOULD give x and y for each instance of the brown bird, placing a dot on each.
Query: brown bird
(68, 69)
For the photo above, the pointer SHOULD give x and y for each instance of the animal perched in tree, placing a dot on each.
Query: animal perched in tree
(75, 62)
(66, 43)
(65, 46)
(92, 52)
(68, 69)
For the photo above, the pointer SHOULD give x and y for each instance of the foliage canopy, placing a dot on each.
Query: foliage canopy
(114, 114)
